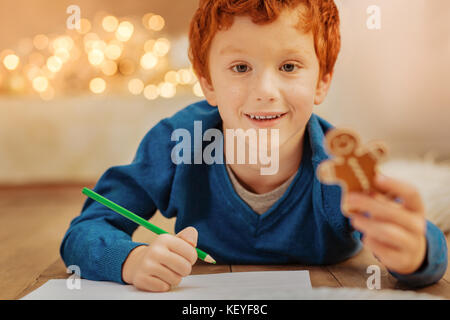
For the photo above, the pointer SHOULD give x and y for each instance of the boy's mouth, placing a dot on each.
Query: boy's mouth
(265, 116)
(265, 119)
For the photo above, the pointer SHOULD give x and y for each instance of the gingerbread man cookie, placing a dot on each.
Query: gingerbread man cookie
(353, 166)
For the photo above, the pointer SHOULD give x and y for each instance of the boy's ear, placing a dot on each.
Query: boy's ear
(323, 86)
(208, 91)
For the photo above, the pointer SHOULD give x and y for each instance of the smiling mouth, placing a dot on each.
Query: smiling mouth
(265, 116)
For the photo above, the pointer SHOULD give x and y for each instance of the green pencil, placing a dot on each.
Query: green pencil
(133, 217)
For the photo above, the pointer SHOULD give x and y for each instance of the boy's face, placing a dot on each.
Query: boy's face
(265, 70)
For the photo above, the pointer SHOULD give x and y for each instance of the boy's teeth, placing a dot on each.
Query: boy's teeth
(264, 117)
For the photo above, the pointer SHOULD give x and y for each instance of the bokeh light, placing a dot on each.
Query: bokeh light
(135, 86)
(85, 26)
(148, 61)
(62, 54)
(110, 23)
(197, 89)
(113, 51)
(148, 45)
(151, 92)
(124, 31)
(54, 63)
(185, 76)
(105, 51)
(63, 42)
(145, 19)
(96, 57)
(161, 47)
(172, 77)
(97, 85)
(109, 67)
(40, 41)
(31, 71)
(11, 61)
(40, 84)
(167, 90)
(156, 22)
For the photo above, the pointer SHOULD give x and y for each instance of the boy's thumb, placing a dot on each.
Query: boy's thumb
(189, 234)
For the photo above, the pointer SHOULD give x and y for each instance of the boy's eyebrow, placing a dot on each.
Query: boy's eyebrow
(231, 49)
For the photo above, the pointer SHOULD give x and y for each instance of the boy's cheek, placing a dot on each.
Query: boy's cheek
(235, 92)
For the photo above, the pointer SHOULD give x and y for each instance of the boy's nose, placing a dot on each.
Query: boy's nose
(265, 89)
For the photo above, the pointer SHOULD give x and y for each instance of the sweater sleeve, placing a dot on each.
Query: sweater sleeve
(435, 263)
(99, 240)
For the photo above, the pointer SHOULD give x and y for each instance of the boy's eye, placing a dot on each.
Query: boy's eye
(240, 68)
(289, 67)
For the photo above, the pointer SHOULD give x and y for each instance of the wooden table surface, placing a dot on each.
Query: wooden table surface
(34, 219)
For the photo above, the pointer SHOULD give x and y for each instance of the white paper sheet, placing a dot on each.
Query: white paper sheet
(234, 285)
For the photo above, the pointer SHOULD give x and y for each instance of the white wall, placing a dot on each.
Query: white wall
(393, 83)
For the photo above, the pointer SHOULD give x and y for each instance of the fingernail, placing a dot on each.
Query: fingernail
(192, 237)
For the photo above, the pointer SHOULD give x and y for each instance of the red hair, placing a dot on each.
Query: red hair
(321, 17)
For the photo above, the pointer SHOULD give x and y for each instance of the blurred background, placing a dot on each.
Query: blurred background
(75, 102)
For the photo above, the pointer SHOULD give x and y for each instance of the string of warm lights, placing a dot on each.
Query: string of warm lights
(107, 54)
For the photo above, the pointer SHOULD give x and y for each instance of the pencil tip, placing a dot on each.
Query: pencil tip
(209, 259)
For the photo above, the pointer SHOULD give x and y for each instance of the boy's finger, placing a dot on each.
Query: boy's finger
(405, 191)
(183, 248)
(384, 253)
(387, 233)
(189, 234)
(165, 274)
(382, 210)
(152, 284)
(175, 262)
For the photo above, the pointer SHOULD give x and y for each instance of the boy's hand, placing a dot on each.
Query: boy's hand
(163, 263)
(394, 232)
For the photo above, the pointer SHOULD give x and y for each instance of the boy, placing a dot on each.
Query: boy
(261, 64)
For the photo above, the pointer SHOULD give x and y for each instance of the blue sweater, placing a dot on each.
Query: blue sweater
(304, 226)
